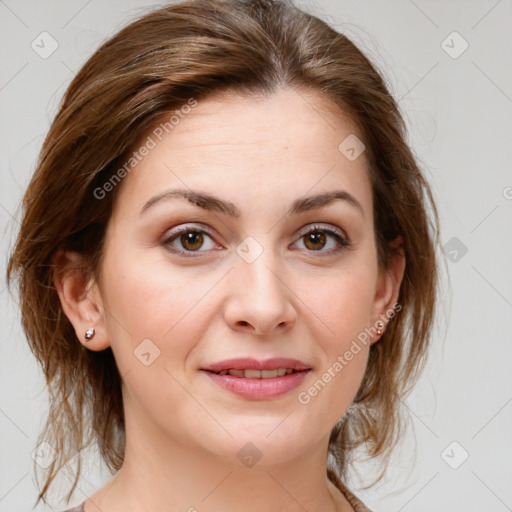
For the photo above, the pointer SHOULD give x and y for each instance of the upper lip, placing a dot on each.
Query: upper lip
(245, 363)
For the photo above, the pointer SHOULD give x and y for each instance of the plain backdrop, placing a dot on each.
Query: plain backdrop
(449, 64)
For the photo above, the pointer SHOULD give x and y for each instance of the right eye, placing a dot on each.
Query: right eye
(189, 239)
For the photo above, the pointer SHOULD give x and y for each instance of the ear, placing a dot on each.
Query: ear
(388, 288)
(80, 298)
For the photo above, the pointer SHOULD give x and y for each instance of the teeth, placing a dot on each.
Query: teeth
(252, 374)
(258, 374)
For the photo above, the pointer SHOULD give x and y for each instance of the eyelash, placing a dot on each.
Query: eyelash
(343, 241)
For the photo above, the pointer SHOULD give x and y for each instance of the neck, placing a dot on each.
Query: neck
(159, 474)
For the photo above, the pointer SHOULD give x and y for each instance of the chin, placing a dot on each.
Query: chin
(267, 441)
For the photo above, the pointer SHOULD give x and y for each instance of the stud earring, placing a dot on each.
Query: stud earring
(89, 334)
(380, 327)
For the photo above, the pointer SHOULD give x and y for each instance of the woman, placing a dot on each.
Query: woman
(226, 266)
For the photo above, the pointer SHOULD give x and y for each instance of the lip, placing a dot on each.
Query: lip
(258, 389)
(244, 363)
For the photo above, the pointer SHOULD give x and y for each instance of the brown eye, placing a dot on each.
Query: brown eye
(324, 241)
(191, 240)
(315, 240)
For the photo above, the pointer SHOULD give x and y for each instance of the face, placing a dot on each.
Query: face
(251, 259)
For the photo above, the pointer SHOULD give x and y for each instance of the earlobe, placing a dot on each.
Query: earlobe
(388, 288)
(80, 298)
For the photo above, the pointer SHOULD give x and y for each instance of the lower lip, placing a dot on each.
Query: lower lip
(259, 389)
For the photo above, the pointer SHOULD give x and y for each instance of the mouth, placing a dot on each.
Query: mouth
(258, 380)
(250, 373)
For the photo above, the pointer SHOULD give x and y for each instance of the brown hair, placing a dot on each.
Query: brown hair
(191, 50)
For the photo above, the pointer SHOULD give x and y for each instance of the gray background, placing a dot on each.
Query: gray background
(458, 108)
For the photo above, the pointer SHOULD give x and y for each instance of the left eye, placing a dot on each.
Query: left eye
(316, 239)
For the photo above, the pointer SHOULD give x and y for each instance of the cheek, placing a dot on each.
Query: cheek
(343, 302)
(344, 307)
(153, 309)
(156, 319)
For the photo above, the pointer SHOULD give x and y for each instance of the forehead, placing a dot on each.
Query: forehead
(284, 144)
(287, 116)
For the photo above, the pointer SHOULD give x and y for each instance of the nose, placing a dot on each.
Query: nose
(260, 301)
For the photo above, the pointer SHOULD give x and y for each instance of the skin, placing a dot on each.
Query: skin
(297, 299)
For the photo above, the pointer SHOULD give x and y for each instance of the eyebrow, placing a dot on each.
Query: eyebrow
(209, 202)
